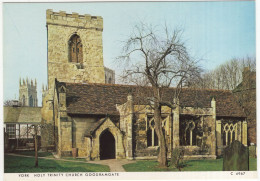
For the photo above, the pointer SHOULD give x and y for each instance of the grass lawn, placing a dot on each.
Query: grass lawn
(16, 164)
(76, 159)
(252, 164)
(32, 153)
(46, 154)
(190, 165)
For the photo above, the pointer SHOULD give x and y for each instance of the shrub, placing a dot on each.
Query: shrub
(177, 158)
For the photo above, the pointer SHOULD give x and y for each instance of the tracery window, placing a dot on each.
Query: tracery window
(190, 137)
(152, 138)
(191, 132)
(229, 133)
(75, 49)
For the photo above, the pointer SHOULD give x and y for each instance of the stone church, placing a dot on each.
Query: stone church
(90, 115)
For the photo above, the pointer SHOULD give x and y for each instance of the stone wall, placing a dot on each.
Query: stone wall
(65, 137)
(79, 127)
(61, 27)
(50, 118)
(206, 143)
(207, 147)
(141, 150)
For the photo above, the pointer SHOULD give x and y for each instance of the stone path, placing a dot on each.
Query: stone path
(114, 165)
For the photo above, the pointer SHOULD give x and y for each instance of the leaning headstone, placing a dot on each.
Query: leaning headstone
(236, 157)
(252, 151)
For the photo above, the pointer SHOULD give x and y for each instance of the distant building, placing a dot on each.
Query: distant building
(109, 76)
(19, 116)
(28, 93)
(245, 92)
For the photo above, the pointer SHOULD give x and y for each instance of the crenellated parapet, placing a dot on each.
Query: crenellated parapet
(75, 48)
(74, 20)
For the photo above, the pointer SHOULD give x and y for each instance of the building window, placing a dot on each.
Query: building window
(75, 44)
(229, 133)
(190, 137)
(191, 132)
(152, 138)
(20, 131)
(31, 101)
(11, 130)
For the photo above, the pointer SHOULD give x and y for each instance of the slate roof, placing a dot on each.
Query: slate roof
(22, 115)
(101, 99)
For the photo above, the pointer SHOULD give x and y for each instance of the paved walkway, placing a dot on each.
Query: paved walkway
(114, 165)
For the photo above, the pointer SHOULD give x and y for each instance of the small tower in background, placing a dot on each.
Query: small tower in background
(28, 93)
(44, 91)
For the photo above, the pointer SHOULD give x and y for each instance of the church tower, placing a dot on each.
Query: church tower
(28, 93)
(75, 49)
(75, 55)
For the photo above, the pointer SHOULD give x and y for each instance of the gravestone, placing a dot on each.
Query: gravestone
(236, 157)
(252, 151)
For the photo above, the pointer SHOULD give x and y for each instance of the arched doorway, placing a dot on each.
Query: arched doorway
(107, 145)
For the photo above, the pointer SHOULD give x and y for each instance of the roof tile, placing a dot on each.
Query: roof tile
(102, 98)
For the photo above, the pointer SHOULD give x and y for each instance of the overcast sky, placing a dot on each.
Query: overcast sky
(213, 31)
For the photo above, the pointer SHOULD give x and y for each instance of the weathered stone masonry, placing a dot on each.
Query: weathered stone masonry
(94, 108)
(81, 108)
(61, 27)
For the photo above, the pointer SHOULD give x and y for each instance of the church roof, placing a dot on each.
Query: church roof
(22, 115)
(91, 129)
(101, 99)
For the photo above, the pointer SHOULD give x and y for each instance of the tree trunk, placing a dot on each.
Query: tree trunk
(36, 146)
(162, 156)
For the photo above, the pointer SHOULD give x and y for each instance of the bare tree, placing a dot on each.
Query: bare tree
(226, 76)
(35, 131)
(158, 59)
(8, 103)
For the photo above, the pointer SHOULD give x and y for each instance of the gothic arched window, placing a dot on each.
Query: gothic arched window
(190, 137)
(229, 133)
(31, 101)
(190, 131)
(152, 138)
(75, 49)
